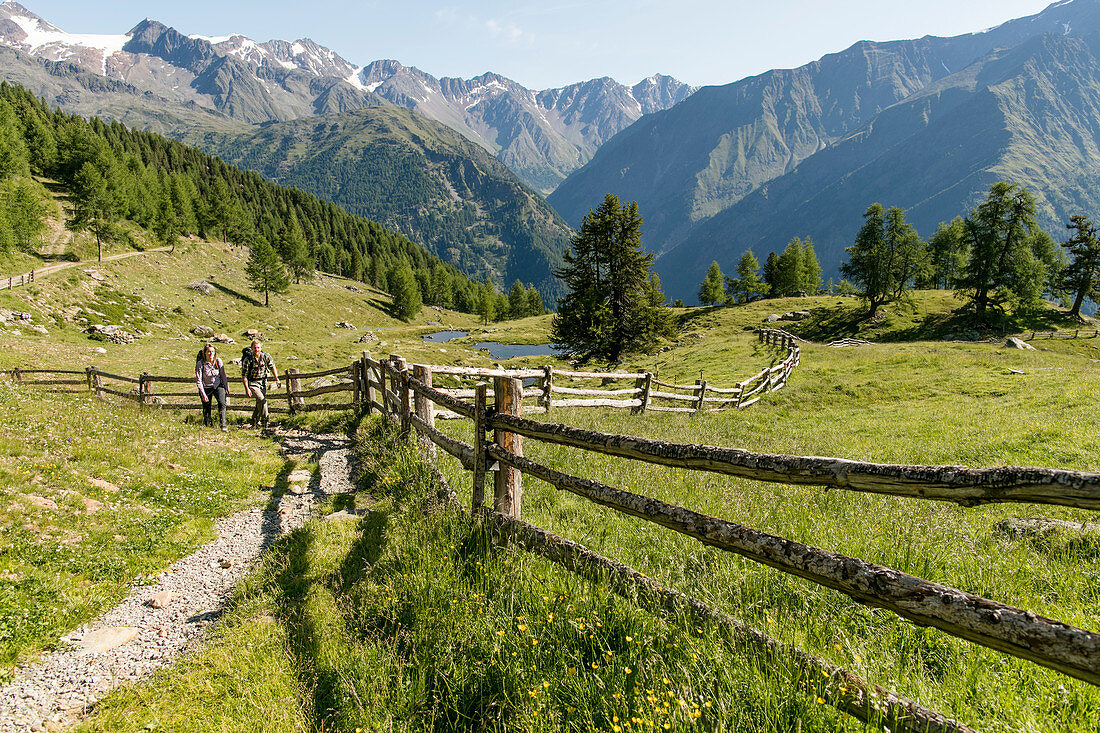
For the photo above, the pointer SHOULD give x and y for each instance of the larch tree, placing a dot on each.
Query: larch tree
(748, 284)
(1081, 277)
(999, 235)
(711, 290)
(264, 270)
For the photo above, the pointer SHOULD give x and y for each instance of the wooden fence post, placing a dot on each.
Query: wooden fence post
(702, 395)
(644, 383)
(143, 389)
(16, 375)
(88, 375)
(401, 388)
(368, 385)
(425, 408)
(293, 384)
(508, 486)
(356, 384)
(547, 386)
(480, 391)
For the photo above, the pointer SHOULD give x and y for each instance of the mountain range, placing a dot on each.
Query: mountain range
(925, 124)
(541, 135)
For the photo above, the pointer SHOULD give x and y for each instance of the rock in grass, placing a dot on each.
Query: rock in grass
(1017, 343)
(160, 600)
(105, 485)
(91, 506)
(203, 331)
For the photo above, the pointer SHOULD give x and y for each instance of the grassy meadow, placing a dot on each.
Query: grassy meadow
(411, 619)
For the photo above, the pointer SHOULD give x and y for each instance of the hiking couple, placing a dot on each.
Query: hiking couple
(213, 385)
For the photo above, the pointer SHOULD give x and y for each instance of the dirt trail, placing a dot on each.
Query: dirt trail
(135, 639)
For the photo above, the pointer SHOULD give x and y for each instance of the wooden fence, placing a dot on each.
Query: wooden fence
(15, 281)
(1076, 333)
(544, 388)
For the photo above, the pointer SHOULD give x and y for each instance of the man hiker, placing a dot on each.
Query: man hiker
(255, 366)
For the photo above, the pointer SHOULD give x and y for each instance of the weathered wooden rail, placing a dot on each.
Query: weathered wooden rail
(1053, 334)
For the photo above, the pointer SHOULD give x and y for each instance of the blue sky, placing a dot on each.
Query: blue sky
(550, 43)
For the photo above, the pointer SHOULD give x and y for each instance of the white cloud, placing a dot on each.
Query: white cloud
(508, 32)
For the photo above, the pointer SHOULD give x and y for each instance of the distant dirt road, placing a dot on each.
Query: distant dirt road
(12, 281)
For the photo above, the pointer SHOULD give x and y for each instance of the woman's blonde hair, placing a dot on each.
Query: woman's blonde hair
(213, 348)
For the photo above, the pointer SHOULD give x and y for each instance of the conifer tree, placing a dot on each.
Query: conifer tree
(535, 306)
(999, 235)
(711, 291)
(97, 203)
(809, 271)
(517, 300)
(265, 272)
(747, 284)
(1082, 276)
(771, 275)
(947, 254)
(405, 292)
(606, 271)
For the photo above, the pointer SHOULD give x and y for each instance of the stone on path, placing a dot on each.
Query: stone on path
(343, 515)
(160, 600)
(300, 476)
(102, 640)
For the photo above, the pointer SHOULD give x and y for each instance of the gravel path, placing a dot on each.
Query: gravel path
(135, 638)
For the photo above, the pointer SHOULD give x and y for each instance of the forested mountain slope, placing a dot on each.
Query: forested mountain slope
(417, 177)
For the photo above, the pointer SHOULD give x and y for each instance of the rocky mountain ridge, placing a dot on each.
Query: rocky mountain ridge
(541, 135)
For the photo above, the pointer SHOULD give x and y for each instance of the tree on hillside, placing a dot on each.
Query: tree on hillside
(264, 271)
(535, 306)
(771, 274)
(97, 202)
(606, 311)
(711, 291)
(909, 253)
(405, 292)
(517, 300)
(1081, 276)
(999, 235)
(947, 254)
(24, 211)
(13, 147)
(747, 284)
(886, 258)
(809, 272)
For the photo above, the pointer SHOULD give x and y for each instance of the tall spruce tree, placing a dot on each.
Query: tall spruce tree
(607, 274)
(405, 292)
(265, 272)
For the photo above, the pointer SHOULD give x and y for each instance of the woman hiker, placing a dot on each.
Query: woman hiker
(212, 383)
(255, 366)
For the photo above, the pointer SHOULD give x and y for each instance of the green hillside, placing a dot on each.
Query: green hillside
(416, 177)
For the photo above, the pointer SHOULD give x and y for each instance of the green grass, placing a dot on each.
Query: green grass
(408, 619)
(64, 560)
(411, 619)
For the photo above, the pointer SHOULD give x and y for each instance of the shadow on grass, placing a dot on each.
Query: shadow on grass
(239, 296)
(899, 323)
